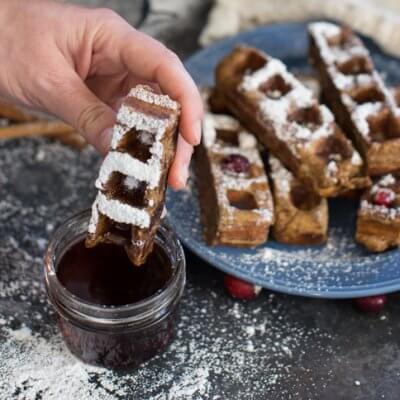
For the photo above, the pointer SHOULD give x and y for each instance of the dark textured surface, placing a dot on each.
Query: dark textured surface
(277, 347)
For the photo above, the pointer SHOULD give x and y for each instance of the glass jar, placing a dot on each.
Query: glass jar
(114, 336)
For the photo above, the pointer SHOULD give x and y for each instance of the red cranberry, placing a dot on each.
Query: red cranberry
(383, 198)
(373, 304)
(240, 289)
(236, 163)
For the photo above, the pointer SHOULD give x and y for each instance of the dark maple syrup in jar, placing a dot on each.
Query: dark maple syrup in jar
(111, 313)
(104, 274)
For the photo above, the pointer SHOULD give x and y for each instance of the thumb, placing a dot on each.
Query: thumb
(82, 109)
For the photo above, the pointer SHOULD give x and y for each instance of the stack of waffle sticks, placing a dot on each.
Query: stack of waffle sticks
(347, 145)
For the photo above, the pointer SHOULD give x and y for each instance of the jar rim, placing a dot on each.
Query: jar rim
(143, 312)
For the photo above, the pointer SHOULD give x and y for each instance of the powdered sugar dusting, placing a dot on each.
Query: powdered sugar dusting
(145, 94)
(296, 117)
(281, 176)
(122, 213)
(94, 219)
(384, 185)
(362, 113)
(224, 180)
(388, 213)
(387, 180)
(322, 30)
(332, 169)
(346, 82)
(213, 122)
(192, 367)
(148, 172)
(277, 108)
(35, 363)
(149, 130)
(128, 117)
(356, 159)
(247, 140)
(335, 55)
(131, 183)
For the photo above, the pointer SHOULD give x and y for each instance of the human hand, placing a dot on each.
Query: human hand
(78, 63)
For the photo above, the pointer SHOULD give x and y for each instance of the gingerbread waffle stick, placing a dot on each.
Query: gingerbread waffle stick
(133, 177)
(363, 105)
(378, 221)
(235, 198)
(289, 121)
(301, 216)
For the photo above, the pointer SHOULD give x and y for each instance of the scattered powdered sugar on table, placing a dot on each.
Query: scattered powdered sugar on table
(35, 367)
(42, 183)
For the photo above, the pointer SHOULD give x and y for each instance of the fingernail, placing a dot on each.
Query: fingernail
(197, 133)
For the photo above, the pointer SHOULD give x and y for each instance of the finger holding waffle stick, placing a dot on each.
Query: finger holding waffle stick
(133, 176)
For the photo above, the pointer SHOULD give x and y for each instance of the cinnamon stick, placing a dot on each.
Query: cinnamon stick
(36, 128)
(31, 124)
(15, 113)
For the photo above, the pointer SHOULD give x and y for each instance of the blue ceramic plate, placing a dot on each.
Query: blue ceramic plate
(340, 269)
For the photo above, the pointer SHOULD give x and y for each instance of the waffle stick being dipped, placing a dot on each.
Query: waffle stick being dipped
(133, 177)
